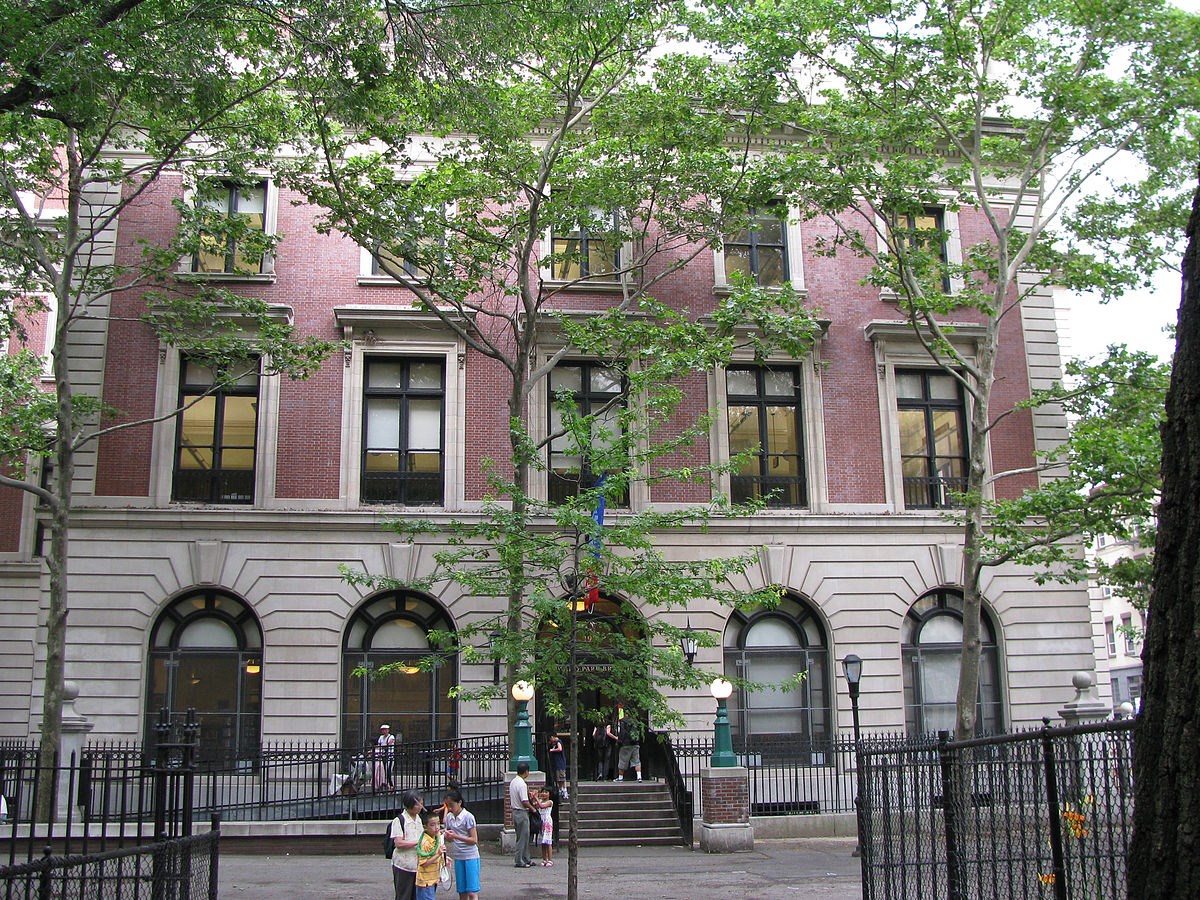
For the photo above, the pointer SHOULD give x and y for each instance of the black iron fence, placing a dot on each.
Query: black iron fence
(113, 784)
(141, 846)
(175, 869)
(1040, 813)
(787, 776)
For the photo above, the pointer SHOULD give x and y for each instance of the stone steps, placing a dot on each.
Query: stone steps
(625, 813)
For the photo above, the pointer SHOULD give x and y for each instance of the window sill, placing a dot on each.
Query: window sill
(724, 290)
(386, 281)
(227, 277)
(589, 285)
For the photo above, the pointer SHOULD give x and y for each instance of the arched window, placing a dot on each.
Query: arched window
(394, 628)
(772, 647)
(932, 649)
(206, 654)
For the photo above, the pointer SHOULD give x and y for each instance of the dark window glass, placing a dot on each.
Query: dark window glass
(760, 250)
(216, 436)
(932, 650)
(223, 252)
(415, 702)
(764, 421)
(933, 445)
(206, 655)
(403, 431)
(598, 395)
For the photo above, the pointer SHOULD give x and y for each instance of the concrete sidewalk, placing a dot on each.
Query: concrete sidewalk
(811, 867)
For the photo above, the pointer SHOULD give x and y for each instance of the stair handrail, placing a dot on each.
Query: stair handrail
(681, 797)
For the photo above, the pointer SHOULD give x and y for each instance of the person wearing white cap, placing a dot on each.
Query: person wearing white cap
(385, 757)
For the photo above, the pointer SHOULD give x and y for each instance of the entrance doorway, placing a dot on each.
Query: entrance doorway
(605, 635)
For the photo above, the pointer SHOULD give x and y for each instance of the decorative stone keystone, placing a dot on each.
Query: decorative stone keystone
(508, 836)
(1086, 705)
(725, 798)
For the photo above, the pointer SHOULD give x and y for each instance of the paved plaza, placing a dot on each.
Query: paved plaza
(809, 868)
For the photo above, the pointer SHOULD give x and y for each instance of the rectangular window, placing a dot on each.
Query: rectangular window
(216, 437)
(933, 446)
(238, 215)
(759, 251)
(598, 397)
(588, 251)
(403, 431)
(1110, 632)
(1127, 631)
(924, 232)
(764, 422)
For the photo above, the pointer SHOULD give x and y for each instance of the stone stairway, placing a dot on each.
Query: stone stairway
(625, 813)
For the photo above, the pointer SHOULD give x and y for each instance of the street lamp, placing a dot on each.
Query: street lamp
(493, 640)
(852, 669)
(522, 692)
(722, 755)
(687, 643)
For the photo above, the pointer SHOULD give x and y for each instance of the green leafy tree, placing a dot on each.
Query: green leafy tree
(537, 119)
(97, 102)
(1064, 132)
(1106, 475)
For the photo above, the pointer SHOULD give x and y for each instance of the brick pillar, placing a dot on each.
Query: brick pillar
(508, 838)
(725, 798)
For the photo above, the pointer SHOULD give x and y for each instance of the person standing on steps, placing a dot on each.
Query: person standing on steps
(629, 743)
(522, 807)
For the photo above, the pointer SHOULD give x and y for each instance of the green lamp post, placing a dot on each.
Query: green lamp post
(722, 756)
(522, 692)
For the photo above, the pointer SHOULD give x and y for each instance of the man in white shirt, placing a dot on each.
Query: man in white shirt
(518, 798)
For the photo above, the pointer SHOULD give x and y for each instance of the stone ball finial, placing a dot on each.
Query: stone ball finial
(1082, 681)
(70, 691)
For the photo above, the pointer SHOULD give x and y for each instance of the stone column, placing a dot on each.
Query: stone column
(508, 837)
(725, 796)
(1086, 705)
(75, 729)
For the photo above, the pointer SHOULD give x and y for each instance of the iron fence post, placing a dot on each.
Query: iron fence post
(949, 814)
(1056, 842)
(214, 856)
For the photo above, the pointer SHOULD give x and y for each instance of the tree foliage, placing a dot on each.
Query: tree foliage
(98, 101)
(1063, 132)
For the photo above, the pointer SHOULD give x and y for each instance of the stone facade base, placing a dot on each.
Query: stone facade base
(726, 838)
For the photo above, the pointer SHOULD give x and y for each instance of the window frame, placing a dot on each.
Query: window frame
(405, 395)
(764, 402)
(189, 266)
(378, 331)
(817, 722)
(793, 255)
(581, 234)
(164, 648)
(913, 654)
(215, 473)
(928, 405)
(591, 400)
(419, 611)
(622, 254)
(950, 252)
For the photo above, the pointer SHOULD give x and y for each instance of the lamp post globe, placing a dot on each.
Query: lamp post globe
(722, 755)
(522, 692)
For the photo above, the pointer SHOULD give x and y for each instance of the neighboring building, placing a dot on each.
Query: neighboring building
(205, 554)
(1119, 645)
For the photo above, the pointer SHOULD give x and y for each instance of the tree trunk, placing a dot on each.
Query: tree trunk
(967, 699)
(1164, 858)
